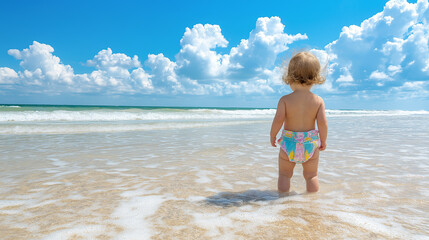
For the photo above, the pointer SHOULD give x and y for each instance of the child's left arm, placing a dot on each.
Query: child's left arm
(278, 120)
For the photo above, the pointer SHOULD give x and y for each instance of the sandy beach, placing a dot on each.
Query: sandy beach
(207, 174)
(155, 120)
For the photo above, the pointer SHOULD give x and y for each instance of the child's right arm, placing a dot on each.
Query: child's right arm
(278, 120)
(322, 125)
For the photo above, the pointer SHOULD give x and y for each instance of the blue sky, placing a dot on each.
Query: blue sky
(201, 53)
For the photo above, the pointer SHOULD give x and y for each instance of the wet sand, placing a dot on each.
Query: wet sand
(215, 182)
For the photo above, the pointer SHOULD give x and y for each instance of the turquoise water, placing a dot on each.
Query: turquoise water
(46, 119)
(35, 107)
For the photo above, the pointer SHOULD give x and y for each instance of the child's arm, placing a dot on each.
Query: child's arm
(322, 125)
(279, 118)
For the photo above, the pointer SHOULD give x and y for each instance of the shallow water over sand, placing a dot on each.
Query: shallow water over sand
(216, 182)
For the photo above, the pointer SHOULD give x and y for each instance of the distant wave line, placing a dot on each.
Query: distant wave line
(98, 128)
(99, 115)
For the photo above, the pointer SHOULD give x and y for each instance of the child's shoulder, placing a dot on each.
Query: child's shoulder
(289, 98)
(317, 97)
(285, 97)
(319, 101)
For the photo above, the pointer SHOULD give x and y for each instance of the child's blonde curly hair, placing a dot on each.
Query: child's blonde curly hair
(304, 69)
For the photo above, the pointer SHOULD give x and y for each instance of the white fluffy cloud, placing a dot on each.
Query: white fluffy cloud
(386, 50)
(141, 77)
(345, 78)
(197, 58)
(40, 65)
(377, 75)
(42, 68)
(163, 73)
(118, 73)
(411, 90)
(198, 68)
(109, 61)
(248, 68)
(259, 52)
(7, 75)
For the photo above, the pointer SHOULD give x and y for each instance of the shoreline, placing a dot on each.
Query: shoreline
(154, 107)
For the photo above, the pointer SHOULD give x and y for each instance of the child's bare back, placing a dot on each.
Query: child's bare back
(301, 108)
(298, 112)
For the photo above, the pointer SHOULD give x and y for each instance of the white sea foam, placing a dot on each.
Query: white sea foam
(114, 120)
(9, 106)
(202, 176)
(145, 115)
(81, 231)
(9, 203)
(253, 112)
(94, 127)
(263, 179)
(172, 115)
(132, 214)
(371, 113)
(195, 198)
(244, 219)
(372, 224)
(212, 222)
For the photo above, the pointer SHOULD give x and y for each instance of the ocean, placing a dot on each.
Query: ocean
(97, 172)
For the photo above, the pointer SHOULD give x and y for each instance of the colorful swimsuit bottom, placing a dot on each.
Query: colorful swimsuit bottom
(299, 146)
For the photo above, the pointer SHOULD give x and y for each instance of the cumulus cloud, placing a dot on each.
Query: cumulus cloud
(197, 68)
(383, 51)
(7, 75)
(345, 78)
(117, 73)
(141, 77)
(259, 52)
(246, 68)
(41, 65)
(378, 75)
(411, 90)
(197, 58)
(107, 60)
(163, 73)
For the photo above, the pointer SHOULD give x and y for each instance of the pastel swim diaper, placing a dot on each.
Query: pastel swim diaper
(299, 146)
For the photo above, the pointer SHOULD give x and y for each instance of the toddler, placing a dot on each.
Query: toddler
(300, 141)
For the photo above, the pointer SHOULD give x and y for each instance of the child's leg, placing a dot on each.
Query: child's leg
(285, 172)
(310, 172)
